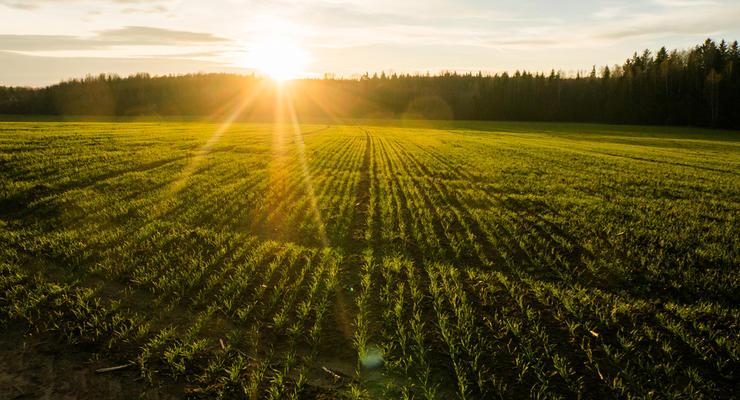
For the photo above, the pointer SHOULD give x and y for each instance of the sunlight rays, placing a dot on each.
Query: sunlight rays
(321, 104)
(287, 108)
(287, 138)
(341, 305)
(195, 161)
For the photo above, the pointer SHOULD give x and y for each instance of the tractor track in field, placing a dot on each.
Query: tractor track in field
(340, 354)
(482, 265)
(356, 241)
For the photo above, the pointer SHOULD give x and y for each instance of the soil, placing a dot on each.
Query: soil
(42, 367)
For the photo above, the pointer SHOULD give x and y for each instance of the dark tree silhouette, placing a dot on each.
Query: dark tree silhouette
(699, 86)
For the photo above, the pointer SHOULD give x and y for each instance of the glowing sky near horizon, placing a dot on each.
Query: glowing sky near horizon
(44, 41)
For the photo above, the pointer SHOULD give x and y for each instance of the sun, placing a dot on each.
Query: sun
(279, 58)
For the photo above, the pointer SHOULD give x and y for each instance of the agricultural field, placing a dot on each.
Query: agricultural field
(379, 260)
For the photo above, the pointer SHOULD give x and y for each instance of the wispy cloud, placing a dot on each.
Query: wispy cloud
(348, 36)
(609, 25)
(126, 36)
(679, 22)
(144, 35)
(35, 4)
(610, 12)
(686, 3)
(34, 70)
(150, 9)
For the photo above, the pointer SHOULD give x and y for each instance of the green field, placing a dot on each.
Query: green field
(468, 260)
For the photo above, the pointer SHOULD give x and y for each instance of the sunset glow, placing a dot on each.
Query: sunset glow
(297, 38)
(279, 58)
(329, 199)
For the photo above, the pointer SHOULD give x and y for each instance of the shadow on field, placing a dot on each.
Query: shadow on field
(39, 367)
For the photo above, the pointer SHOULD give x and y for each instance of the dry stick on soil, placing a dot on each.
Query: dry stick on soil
(334, 376)
(111, 369)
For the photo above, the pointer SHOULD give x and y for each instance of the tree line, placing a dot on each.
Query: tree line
(698, 86)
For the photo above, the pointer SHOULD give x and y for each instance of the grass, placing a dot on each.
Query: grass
(380, 259)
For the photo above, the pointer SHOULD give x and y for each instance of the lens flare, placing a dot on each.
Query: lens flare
(372, 358)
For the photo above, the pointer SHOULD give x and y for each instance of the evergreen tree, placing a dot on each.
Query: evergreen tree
(699, 86)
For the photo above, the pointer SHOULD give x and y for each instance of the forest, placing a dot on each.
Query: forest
(699, 86)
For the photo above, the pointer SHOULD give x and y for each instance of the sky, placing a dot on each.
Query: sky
(45, 41)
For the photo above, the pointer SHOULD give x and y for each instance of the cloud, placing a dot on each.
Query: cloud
(610, 12)
(356, 23)
(19, 69)
(383, 34)
(45, 42)
(680, 22)
(155, 9)
(609, 27)
(634, 27)
(106, 39)
(34, 4)
(144, 35)
(685, 3)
